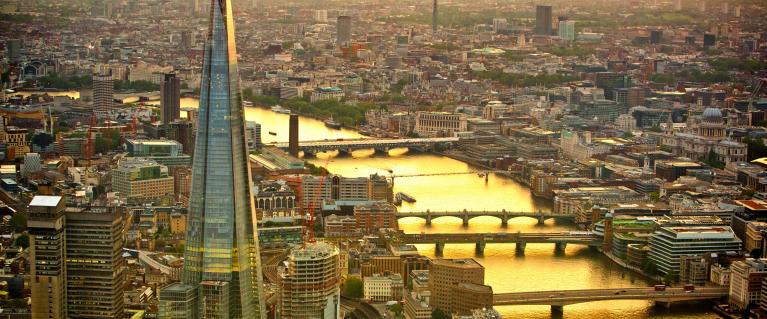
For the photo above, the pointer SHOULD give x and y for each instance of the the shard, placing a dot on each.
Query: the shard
(222, 273)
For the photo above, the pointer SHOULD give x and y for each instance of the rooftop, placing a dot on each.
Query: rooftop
(45, 201)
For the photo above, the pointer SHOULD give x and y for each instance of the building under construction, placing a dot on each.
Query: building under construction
(310, 286)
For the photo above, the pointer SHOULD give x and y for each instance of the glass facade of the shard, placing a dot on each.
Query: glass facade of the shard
(221, 260)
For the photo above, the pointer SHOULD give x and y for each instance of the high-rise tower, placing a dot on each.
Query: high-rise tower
(434, 15)
(343, 30)
(103, 94)
(543, 20)
(170, 98)
(222, 262)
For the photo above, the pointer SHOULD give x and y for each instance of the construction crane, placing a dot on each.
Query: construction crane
(310, 222)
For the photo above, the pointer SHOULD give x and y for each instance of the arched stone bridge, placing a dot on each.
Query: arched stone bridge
(467, 215)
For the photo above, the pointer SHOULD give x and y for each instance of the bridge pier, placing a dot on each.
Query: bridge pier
(504, 222)
(560, 247)
(479, 248)
(541, 220)
(465, 219)
(557, 309)
(519, 247)
(428, 218)
(439, 247)
(664, 304)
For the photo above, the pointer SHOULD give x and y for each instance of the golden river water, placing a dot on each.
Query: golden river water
(539, 269)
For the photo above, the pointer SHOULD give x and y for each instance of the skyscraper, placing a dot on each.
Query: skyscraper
(77, 265)
(94, 263)
(543, 20)
(103, 94)
(47, 247)
(567, 30)
(343, 30)
(170, 98)
(293, 135)
(434, 16)
(222, 262)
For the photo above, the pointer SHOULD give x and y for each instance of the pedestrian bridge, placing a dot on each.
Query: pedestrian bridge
(349, 145)
(467, 215)
(557, 299)
(559, 239)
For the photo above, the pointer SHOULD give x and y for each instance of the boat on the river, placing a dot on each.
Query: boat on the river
(280, 109)
(330, 123)
(247, 103)
(272, 133)
(404, 197)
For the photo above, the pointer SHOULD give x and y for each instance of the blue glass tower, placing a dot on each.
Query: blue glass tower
(222, 265)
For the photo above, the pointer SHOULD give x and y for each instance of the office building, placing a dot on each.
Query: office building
(141, 180)
(374, 216)
(320, 15)
(94, 263)
(417, 305)
(629, 97)
(383, 288)
(668, 244)
(47, 250)
(182, 131)
(222, 260)
(32, 165)
(77, 267)
(253, 134)
(746, 281)
(656, 36)
(293, 135)
(709, 40)
(170, 98)
(440, 123)
(310, 287)
(178, 301)
(609, 81)
(103, 94)
(434, 17)
(165, 152)
(343, 30)
(567, 30)
(543, 20)
(444, 277)
(327, 93)
(13, 50)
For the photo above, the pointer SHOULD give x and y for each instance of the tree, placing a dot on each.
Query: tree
(396, 309)
(103, 145)
(439, 314)
(42, 140)
(353, 288)
(654, 196)
(671, 277)
(18, 222)
(22, 241)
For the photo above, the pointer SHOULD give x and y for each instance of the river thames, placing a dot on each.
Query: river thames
(538, 269)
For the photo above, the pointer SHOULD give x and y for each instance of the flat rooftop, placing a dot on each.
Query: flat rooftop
(45, 201)
(753, 204)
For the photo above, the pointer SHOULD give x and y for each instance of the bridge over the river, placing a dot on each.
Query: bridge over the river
(559, 239)
(467, 215)
(559, 298)
(349, 145)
